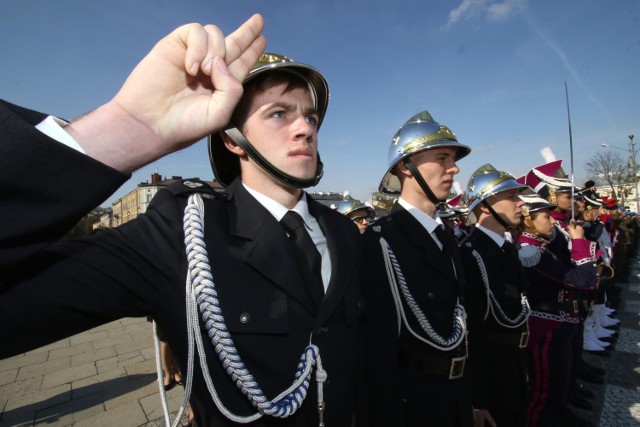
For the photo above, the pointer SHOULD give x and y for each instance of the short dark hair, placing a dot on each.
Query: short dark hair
(261, 83)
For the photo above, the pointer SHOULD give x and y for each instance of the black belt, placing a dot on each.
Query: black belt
(452, 367)
(511, 339)
(566, 306)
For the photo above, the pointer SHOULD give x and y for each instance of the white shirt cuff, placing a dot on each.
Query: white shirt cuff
(53, 128)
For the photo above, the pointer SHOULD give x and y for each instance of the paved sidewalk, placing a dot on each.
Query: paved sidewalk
(102, 377)
(617, 401)
(106, 376)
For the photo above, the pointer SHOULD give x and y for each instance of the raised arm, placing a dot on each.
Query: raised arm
(183, 90)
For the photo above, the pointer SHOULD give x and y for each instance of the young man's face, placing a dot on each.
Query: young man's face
(437, 166)
(564, 201)
(508, 205)
(283, 127)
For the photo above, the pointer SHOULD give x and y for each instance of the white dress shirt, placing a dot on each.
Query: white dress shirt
(499, 239)
(427, 222)
(52, 127)
(278, 211)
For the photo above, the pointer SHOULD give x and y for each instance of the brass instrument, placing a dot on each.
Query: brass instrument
(604, 272)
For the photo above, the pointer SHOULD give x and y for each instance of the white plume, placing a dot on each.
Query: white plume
(548, 155)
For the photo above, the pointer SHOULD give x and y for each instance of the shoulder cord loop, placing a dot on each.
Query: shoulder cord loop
(435, 340)
(492, 303)
(201, 294)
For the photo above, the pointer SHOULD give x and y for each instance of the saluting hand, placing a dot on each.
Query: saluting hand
(185, 88)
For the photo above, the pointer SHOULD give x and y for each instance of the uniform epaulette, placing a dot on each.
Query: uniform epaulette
(194, 185)
(377, 224)
(529, 255)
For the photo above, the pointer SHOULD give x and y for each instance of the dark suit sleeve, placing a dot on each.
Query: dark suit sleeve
(385, 400)
(553, 273)
(46, 186)
(76, 284)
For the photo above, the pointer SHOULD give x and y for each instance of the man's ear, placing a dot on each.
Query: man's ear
(401, 169)
(232, 146)
(482, 209)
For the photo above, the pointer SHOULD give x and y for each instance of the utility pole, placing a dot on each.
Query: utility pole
(632, 153)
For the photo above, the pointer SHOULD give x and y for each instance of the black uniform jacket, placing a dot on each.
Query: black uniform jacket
(139, 269)
(498, 365)
(430, 278)
(44, 187)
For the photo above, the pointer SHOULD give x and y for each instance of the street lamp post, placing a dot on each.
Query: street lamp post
(632, 146)
(632, 156)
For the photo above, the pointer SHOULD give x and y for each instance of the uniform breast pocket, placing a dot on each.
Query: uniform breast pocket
(251, 312)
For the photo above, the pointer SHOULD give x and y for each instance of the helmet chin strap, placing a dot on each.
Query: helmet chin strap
(422, 183)
(498, 218)
(281, 176)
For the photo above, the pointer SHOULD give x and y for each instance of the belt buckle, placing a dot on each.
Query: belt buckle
(456, 369)
(575, 306)
(524, 339)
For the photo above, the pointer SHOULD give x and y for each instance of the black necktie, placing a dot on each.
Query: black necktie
(307, 255)
(510, 249)
(447, 247)
(444, 239)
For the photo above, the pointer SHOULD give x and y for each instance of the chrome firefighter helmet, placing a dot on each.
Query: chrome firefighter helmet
(485, 182)
(347, 206)
(420, 132)
(226, 165)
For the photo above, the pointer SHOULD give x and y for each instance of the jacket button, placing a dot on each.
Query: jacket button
(244, 318)
(321, 330)
(431, 295)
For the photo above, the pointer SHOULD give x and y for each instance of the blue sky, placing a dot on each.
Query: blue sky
(492, 71)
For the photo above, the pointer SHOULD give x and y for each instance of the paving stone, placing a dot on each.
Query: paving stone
(9, 376)
(93, 356)
(621, 407)
(54, 345)
(38, 399)
(70, 350)
(69, 375)
(131, 346)
(89, 336)
(26, 359)
(628, 341)
(130, 414)
(44, 368)
(134, 388)
(111, 341)
(634, 288)
(73, 411)
(632, 306)
(21, 388)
